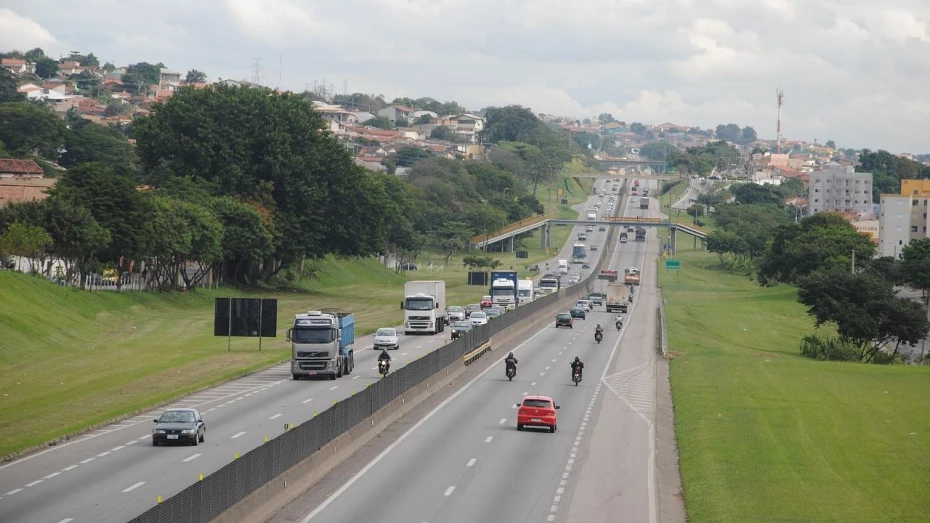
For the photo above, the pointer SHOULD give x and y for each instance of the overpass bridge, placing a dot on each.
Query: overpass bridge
(664, 177)
(545, 222)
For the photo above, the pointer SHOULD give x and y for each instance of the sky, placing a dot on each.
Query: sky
(851, 70)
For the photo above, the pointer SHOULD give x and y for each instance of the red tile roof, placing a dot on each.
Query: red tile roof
(13, 61)
(20, 167)
(403, 108)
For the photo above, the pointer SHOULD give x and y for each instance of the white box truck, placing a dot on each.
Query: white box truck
(424, 307)
(563, 266)
(526, 292)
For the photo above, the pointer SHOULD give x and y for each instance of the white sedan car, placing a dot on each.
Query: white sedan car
(386, 338)
(478, 318)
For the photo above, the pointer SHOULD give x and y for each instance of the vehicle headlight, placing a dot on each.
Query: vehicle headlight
(188, 431)
(159, 431)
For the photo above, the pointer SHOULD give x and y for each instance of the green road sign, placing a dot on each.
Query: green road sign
(672, 264)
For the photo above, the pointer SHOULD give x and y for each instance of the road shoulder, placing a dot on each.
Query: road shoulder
(671, 503)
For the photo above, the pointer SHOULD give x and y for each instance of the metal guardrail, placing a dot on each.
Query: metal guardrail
(209, 497)
(478, 352)
(663, 330)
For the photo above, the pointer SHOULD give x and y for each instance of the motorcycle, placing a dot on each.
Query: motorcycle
(511, 372)
(383, 367)
(598, 336)
(631, 299)
(619, 325)
(576, 376)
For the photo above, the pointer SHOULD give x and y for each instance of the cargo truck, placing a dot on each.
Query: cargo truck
(563, 266)
(640, 234)
(616, 298)
(526, 292)
(321, 344)
(549, 283)
(592, 216)
(424, 307)
(644, 202)
(504, 288)
(631, 276)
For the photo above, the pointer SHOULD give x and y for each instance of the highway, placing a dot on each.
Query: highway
(113, 474)
(465, 461)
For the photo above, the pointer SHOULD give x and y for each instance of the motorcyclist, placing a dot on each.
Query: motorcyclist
(598, 331)
(630, 298)
(577, 365)
(385, 357)
(619, 322)
(511, 362)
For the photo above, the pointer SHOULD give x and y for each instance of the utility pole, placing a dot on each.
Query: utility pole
(257, 72)
(854, 262)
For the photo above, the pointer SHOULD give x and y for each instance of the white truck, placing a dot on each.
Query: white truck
(592, 216)
(526, 292)
(563, 266)
(321, 344)
(424, 307)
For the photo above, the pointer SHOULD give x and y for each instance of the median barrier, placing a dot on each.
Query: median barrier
(315, 447)
(479, 351)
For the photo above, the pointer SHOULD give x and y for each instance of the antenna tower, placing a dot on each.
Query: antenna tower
(780, 96)
(257, 72)
(345, 88)
(280, 68)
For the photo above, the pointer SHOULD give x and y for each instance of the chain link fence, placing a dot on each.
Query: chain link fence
(217, 492)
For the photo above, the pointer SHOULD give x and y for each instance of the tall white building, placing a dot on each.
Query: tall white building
(838, 188)
(903, 217)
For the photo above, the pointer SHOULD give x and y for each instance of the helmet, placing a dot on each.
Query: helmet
(510, 355)
(577, 358)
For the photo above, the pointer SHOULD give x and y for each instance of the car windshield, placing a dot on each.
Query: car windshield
(311, 335)
(418, 304)
(473, 307)
(177, 416)
(479, 315)
(461, 325)
(455, 308)
(386, 332)
(564, 316)
(542, 404)
(485, 298)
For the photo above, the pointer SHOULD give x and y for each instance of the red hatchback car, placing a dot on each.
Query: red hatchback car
(537, 411)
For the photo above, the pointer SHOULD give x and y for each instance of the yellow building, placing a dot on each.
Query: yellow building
(915, 187)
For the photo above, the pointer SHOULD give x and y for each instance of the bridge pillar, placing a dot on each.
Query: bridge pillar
(512, 242)
(544, 236)
(674, 239)
(703, 244)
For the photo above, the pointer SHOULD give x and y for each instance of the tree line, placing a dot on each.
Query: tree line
(241, 183)
(840, 278)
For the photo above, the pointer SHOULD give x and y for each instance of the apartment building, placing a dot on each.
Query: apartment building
(838, 188)
(903, 217)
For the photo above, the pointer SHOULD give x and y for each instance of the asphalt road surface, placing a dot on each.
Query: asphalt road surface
(465, 461)
(114, 474)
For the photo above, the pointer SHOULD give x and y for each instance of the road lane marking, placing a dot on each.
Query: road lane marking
(547, 368)
(14, 491)
(114, 449)
(72, 467)
(52, 475)
(449, 491)
(533, 384)
(235, 436)
(133, 487)
(542, 373)
(34, 483)
(308, 400)
(191, 458)
(88, 460)
(276, 416)
(488, 439)
(144, 438)
(334, 387)
(66, 520)
(371, 464)
(503, 420)
(102, 454)
(471, 462)
(357, 377)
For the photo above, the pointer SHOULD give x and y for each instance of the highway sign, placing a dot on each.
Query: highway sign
(672, 264)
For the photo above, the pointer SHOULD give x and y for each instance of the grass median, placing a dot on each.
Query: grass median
(767, 435)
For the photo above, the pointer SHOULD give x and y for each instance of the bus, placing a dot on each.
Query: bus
(579, 252)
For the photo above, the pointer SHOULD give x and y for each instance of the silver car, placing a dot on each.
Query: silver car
(386, 338)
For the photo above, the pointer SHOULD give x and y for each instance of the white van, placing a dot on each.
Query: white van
(563, 266)
(525, 292)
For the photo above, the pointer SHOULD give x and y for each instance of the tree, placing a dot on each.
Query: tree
(696, 211)
(77, 238)
(34, 55)
(88, 83)
(409, 155)
(656, 150)
(246, 240)
(915, 267)
(748, 135)
(450, 238)
(604, 118)
(424, 119)
(140, 76)
(831, 144)
(91, 142)
(28, 129)
(195, 77)
(753, 193)
(46, 68)
(26, 240)
(380, 122)
(729, 133)
(638, 128)
(819, 242)
(513, 123)
(8, 92)
(864, 308)
(442, 133)
(116, 204)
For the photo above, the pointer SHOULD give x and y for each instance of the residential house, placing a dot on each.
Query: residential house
(362, 116)
(335, 113)
(903, 217)
(412, 133)
(370, 162)
(17, 190)
(431, 114)
(236, 83)
(839, 188)
(469, 126)
(396, 112)
(16, 65)
(116, 74)
(68, 67)
(20, 169)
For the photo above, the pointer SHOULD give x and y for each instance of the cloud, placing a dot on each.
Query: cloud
(852, 70)
(19, 32)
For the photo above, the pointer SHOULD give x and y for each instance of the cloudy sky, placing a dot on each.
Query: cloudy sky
(854, 71)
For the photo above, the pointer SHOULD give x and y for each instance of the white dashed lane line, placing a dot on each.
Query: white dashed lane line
(236, 436)
(133, 487)
(449, 491)
(276, 416)
(34, 483)
(191, 458)
(471, 462)
(308, 400)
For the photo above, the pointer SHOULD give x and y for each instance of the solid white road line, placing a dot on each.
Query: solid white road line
(235, 436)
(14, 491)
(308, 400)
(133, 487)
(276, 416)
(72, 467)
(66, 520)
(34, 483)
(191, 458)
(334, 388)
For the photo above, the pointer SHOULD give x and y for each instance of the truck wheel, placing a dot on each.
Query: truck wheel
(332, 377)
